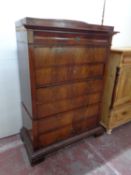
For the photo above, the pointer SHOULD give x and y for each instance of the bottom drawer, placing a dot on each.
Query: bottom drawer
(67, 131)
(61, 120)
(120, 115)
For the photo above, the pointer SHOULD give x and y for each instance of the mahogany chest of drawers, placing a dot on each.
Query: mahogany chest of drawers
(61, 66)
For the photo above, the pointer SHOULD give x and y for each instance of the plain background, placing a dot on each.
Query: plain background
(117, 14)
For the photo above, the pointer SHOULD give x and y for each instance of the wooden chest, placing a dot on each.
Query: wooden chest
(116, 108)
(61, 65)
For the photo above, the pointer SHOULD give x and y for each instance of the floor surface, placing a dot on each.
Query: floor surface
(105, 155)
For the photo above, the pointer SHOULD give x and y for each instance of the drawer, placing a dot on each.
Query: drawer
(67, 131)
(67, 118)
(54, 56)
(53, 108)
(55, 93)
(68, 73)
(85, 124)
(55, 136)
(68, 39)
(120, 115)
(56, 107)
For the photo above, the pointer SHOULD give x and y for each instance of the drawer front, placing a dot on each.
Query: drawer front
(55, 136)
(120, 116)
(53, 108)
(68, 73)
(67, 131)
(71, 90)
(67, 118)
(86, 124)
(68, 39)
(54, 56)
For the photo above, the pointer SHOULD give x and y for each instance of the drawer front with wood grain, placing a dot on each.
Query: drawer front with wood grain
(68, 39)
(120, 115)
(52, 108)
(67, 131)
(86, 124)
(55, 136)
(54, 56)
(68, 73)
(67, 118)
(70, 90)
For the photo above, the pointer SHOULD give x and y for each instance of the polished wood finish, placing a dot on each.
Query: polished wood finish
(68, 90)
(38, 156)
(117, 94)
(62, 65)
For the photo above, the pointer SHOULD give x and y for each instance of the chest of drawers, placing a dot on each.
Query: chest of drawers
(61, 66)
(116, 108)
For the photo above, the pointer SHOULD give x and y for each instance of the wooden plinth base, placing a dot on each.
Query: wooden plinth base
(39, 155)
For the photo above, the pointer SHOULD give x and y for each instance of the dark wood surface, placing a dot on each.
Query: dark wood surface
(37, 23)
(62, 65)
(39, 155)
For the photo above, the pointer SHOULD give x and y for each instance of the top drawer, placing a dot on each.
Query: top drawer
(70, 38)
(54, 56)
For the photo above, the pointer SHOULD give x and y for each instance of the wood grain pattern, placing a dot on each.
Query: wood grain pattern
(123, 87)
(127, 58)
(112, 64)
(66, 62)
(62, 25)
(67, 131)
(68, 90)
(117, 112)
(59, 56)
(53, 108)
(120, 116)
(68, 73)
(67, 118)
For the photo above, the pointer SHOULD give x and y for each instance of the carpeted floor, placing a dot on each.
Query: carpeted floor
(105, 155)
